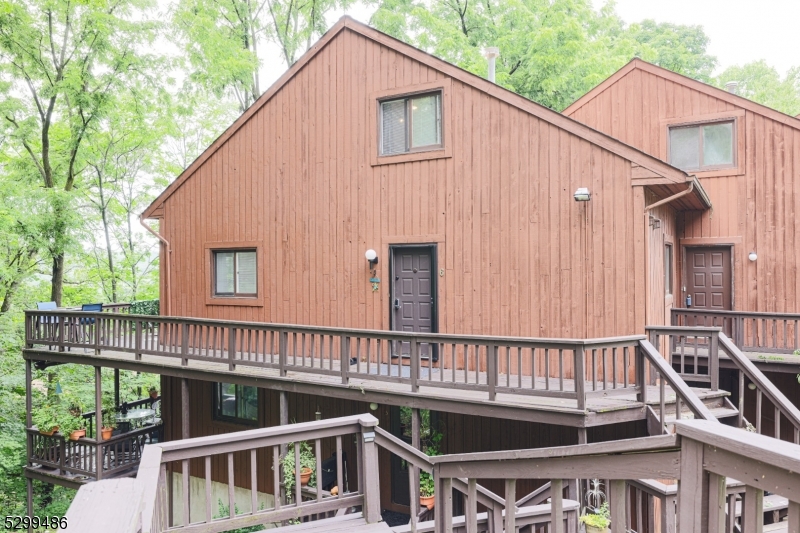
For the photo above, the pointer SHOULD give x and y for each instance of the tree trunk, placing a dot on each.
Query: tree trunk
(104, 217)
(9, 295)
(57, 283)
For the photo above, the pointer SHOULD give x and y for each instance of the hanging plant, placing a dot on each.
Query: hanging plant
(308, 467)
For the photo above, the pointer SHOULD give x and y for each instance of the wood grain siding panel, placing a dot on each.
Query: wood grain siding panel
(518, 256)
(755, 205)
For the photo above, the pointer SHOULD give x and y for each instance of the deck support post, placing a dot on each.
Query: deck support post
(557, 505)
(29, 486)
(692, 487)
(616, 497)
(753, 510)
(794, 517)
(372, 491)
(185, 408)
(98, 415)
(716, 503)
(116, 387)
(283, 408)
(414, 471)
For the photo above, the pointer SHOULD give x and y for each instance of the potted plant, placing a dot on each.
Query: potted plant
(45, 420)
(72, 426)
(109, 423)
(308, 467)
(427, 496)
(598, 521)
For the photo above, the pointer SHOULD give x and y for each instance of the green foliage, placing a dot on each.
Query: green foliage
(145, 307)
(761, 83)
(426, 485)
(551, 51)
(223, 511)
(600, 519)
(307, 460)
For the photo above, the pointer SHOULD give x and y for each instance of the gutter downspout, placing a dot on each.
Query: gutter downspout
(167, 283)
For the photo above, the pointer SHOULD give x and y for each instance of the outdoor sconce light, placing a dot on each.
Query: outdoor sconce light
(373, 406)
(751, 386)
(372, 257)
(582, 195)
(753, 256)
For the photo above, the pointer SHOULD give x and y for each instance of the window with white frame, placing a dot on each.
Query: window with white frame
(703, 146)
(235, 273)
(411, 124)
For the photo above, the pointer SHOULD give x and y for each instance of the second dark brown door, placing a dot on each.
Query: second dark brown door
(709, 277)
(413, 296)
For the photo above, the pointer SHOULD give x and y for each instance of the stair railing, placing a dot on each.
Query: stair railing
(748, 372)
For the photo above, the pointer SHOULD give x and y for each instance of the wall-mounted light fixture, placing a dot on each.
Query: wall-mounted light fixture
(582, 195)
(753, 256)
(373, 406)
(372, 257)
(751, 386)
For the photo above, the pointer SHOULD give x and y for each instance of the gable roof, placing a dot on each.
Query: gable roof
(716, 92)
(670, 174)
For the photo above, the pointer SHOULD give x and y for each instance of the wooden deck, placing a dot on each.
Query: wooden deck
(605, 407)
(343, 524)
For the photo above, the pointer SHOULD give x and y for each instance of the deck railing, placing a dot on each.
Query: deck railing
(752, 332)
(702, 456)
(118, 455)
(488, 364)
(694, 349)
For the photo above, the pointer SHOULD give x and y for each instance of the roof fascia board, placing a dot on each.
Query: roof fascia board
(599, 88)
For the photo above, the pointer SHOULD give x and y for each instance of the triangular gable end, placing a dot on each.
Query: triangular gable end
(715, 92)
(654, 165)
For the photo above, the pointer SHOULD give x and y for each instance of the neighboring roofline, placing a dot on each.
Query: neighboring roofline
(716, 92)
(553, 117)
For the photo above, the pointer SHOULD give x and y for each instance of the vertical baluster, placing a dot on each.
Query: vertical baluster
(560, 369)
(508, 366)
(466, 363)
(663, 401)
(318, 456)
(253, 482)
(777, 422)
(519, 367)
(758, 410)
(358, 353)
(232, 487)
(547, 368)
(753, 510)
(533, 367)
(605, 384)
(297, 488)
(614, 366)
(276, 476)
(209, 514)
(594, 369)
(683, 353)
(339, 471)
(185, 482)
(678, 406)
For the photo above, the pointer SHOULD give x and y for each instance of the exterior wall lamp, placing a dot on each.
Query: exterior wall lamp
(753, 256)
(372, 257)
(582, 195)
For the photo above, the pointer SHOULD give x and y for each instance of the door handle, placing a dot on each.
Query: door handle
(397, 303)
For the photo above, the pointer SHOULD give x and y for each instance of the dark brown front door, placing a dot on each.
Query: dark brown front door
(709, 278)
(413, 294)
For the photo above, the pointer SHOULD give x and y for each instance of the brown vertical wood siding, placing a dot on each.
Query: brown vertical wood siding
(518, 255)
(754, 209)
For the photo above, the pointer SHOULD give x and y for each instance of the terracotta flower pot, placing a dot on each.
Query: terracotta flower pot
(305, 475)
(106, 432)
(427, 501)
(77, 434)
(49, 433)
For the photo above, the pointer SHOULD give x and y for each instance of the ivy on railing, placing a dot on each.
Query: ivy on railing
(145, 307)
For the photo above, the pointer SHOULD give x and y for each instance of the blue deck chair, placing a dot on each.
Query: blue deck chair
(90, 308)
(53, 330)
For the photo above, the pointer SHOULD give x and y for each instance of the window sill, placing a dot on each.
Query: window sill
(241, 302)
(422, 155)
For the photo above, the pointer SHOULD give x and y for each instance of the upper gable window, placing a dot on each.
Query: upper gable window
(411, 124)
(702, 146)
(235, 273)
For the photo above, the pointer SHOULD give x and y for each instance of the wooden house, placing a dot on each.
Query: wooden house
(384, 231)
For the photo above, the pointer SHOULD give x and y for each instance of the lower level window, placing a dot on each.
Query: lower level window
(235, 403)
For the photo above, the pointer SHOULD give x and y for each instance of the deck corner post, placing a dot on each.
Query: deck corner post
(29, 487)
(344, 358)
(184, 344)
(282, 344)
(511, 508)
(557, 505)
(62, 325)
(491, 370)
(716, 503)
(641, 374)
(580, 376)
(138, 340)
(446, 503)
(97, 334)
(231, 348)
(372, 498)
(692, 487)
(713, 361)
(414, 349)
(98, 413)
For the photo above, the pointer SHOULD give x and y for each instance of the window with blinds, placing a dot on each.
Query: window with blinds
(411, 124)
(235, 273)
